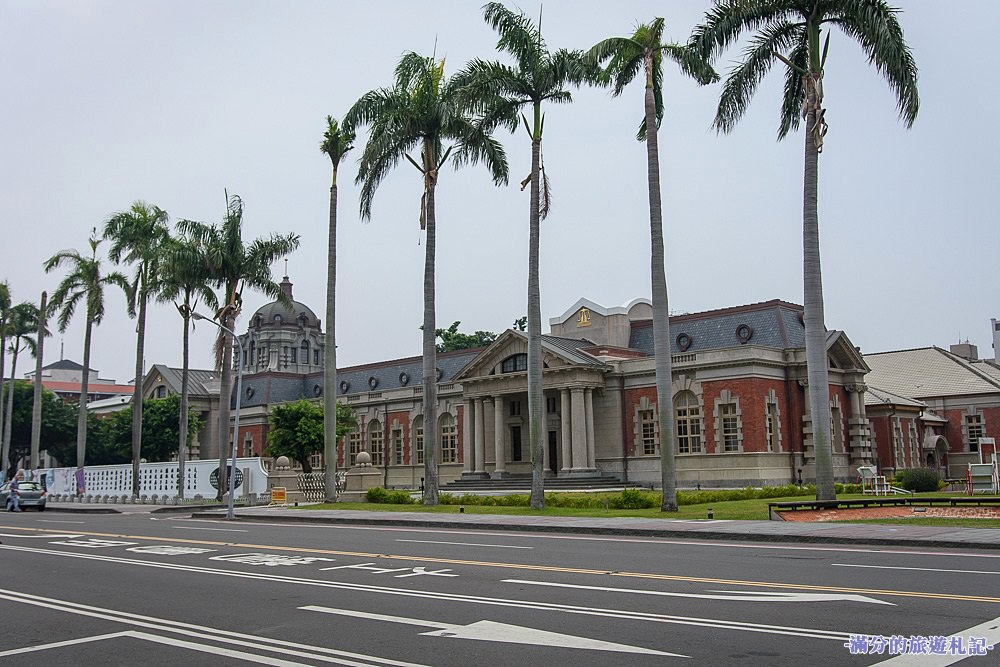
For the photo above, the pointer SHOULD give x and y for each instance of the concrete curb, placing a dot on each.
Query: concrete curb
(716, 535)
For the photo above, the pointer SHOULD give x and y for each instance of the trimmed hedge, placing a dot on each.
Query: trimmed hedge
(918, 479)
(381, 496)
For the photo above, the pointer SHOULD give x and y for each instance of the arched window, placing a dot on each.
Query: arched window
(449, 439)
(305, 352)
(375, 441)
(687, 412)
(514, 363)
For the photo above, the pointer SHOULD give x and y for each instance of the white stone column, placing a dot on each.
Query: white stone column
(579, 428)
(480, 430)
(588, 404)
(500, 467)
(468, 462)
(564, 418)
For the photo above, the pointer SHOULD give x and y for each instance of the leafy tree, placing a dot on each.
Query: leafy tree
(184, 280)
(296, 430)
(5, 304)
(423, 111)
(791, 32)
(337, 142)
(520, 324)
(234, 266)
(21, 323)
(452, 339)
(137, 237)
(85, 282)
(644, 52)
(58, 423)
(540, 76)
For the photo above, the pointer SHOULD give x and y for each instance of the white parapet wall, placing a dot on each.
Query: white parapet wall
(200, 478)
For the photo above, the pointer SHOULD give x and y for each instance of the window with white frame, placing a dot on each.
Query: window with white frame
(418, 439)
(836, 428)
(247, 444)
(449, 439)
(316, 460)
(728, 423)
(975, 431)
(897, 443)
(375, 442)
(914, 444)
(687, 412)
(354, 445)
(772, 422)
(647, 429)
(396, 441)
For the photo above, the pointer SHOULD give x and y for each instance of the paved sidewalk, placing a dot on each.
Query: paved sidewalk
(754, 531)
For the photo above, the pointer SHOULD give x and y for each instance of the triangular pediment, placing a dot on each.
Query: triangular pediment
(511, 343)
(160, 375)
(843, 354)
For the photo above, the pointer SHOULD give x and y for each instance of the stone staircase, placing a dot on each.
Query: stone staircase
(522, 484)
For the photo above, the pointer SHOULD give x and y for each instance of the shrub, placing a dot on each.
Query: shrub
(380, 495)
(633, 499)
(918, 479)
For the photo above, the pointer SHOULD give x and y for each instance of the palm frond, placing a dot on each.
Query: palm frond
(728, 19)
(794, 93)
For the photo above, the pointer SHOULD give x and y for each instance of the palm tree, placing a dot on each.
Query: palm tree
(85, 282)
(422, 112)
(4, 317)
(336, 143)
(233, 266)
(137, 237)
(790, 31)
(36, 404)
(644, 51)
(22, 323)
(184, 279)
(540, 76)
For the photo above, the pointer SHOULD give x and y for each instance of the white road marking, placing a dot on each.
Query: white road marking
(742, 596)
(467, 544)
(492, 631)
(297, 649)
(224, 530)
(58, 521)
(454, 597)
(46, 536)
(68, 642)
(918, 569)
(990, 630)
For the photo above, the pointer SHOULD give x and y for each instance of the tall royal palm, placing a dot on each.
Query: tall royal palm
(539, 76)
(791, 32)
(336, 143)
(5, 305)
(644, 52)
(21, 325)
(85, 282)
(234, 266)
(36, 405)
(137, 237)
(423, 112)
(184, 279)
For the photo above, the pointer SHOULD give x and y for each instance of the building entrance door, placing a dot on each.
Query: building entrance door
(553, 452)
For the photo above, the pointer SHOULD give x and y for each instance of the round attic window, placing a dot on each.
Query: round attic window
(744, 332)
(372, 382)
(404, 379)
(344, 386)
(317, 390)
(684, 341)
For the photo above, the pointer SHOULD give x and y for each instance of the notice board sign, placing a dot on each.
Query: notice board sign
(279, 495)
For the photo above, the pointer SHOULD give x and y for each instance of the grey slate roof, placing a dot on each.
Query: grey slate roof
(267, 388)
(929, 372)
(775, 324)
(571, 348)
(200, 381)
(875, 396)
(65, 365)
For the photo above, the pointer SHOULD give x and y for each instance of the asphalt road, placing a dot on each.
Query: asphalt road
(133, 588)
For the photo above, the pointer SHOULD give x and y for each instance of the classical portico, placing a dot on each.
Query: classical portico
(497, 441)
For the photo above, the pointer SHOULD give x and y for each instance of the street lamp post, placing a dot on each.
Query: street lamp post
(230, 513)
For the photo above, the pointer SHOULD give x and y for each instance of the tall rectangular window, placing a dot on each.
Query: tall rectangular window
(353, 447)
(647, 426)
(375, 443)
(515, 443)
(449, 440)
(418, 440)
(397, 445)
(772, 427)
(974, 425)
(688, 423)
(730, 427)
(315, 357)
(515, 408)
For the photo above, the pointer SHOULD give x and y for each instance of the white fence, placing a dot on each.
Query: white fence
(200, 478)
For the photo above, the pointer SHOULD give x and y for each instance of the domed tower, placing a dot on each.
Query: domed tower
(283, 339)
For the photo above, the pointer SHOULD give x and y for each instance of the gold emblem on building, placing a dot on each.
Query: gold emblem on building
(583, 317)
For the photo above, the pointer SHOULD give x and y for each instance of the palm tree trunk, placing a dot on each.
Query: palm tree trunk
(137, 395)
(431, 442)
(81, 422)
(330, 355)
(816, 356)
(5, 436)
(536, 401)
(36, 405)
(661, 307)
(225, 396)
(3, 363)
(183, 417)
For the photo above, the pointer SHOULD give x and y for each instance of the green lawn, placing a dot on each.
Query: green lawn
(738, 510)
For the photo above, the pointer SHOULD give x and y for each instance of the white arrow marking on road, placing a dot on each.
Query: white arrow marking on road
(45, 537)
(745, 596)
(491, 631)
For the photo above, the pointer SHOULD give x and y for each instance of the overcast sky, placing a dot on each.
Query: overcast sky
(174, 102)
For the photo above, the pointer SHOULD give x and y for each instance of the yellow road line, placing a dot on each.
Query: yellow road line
(522, 566)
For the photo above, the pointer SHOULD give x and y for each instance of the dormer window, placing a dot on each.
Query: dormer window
(514, 363)
(277, 319)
